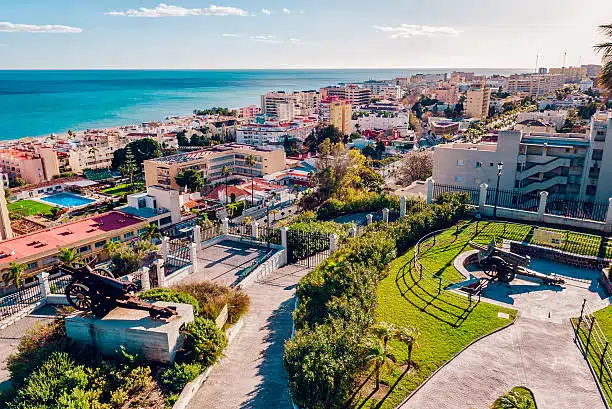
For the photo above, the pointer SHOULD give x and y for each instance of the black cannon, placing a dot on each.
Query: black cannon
(96, 291)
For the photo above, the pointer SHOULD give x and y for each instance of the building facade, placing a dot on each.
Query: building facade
(534, 85)
(340, 115)
(477, 103)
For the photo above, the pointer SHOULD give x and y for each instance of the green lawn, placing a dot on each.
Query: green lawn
(124, 189)
(447, 322)
(29, 208)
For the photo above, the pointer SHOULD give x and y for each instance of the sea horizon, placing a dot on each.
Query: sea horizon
(40, 102)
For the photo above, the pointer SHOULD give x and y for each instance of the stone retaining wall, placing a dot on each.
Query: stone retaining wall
(559, 256)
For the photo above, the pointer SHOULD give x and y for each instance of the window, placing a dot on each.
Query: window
(100, 244)
(459, 162)
(142, 203)
(32, 265)
(590, 190)
(128, 235)
(478, 165)
(83, 249)
(115, 239)
(597, 154)
(458, 178)
(50, 260)
(165, 220)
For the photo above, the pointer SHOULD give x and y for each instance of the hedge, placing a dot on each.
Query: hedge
(366, 202)
(337, 301)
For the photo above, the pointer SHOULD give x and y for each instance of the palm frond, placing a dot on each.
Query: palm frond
(605, 77)
(604, 48)
(606, 29)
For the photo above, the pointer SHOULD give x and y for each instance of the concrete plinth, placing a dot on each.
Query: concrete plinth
(134, 330)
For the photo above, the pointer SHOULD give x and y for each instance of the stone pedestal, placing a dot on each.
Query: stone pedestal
(156, 341)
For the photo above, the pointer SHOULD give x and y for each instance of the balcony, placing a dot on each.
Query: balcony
(545, 184)
(543, 168)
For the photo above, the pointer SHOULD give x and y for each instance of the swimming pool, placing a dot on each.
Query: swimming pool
(66, 200)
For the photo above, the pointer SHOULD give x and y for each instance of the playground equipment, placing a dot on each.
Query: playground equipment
(505, 265)
(96, 291)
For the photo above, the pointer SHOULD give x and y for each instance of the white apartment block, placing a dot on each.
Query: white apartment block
(90, 157)
(384, 89)
(376, 122)
(273, 132)
(572, 166)
(279, 105)
(477, 103)
(534, 85)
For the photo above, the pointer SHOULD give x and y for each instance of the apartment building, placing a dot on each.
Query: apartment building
(39, 250)
(210, 162)
(274, 132)
(33, 166)
(384, 89)
(534, 85)
(565, 165)
(340, 116)
(592, 70)
(279, 105)
(307, 102)
(352, 93)
(447, 93)
(570, 74)
(477, 103)
(6, 232)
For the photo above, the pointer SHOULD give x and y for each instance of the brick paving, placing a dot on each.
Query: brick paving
(251, 375)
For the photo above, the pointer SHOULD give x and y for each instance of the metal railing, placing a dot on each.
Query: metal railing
(511, 199)
(577, 209)
(211, 232)
(240, 229)
(596, 349)
(179, 256)
(58, 283)
(473, 192)
(22, 298)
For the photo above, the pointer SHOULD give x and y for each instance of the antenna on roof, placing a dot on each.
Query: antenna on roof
(537, 60)
(564, 58)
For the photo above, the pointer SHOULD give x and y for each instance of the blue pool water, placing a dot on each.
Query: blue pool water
(66, 200)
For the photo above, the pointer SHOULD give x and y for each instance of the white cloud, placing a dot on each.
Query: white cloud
(266, 12)
(266, 39)
(6, 27)
(296, 41)
(230, 35)
(286, 11)
(165, 10)
(412, 30)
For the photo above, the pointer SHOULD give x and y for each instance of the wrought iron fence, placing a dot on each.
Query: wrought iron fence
(307, 248)
(211, 232)
(58, 284)
(511, 199)
(269, 235)
(24, 297)
(179, 256)
(596, 348)
(577, 209)
(240, 229)
(473, 192)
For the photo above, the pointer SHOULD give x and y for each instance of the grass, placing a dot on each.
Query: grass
(523, 393)
(29, 208)
(447, 322)
(124, 189)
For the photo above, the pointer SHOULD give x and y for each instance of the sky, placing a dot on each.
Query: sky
(242, 34)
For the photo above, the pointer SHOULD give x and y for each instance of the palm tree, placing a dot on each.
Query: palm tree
(384, 332)
(111, 247)
(378, 355)
(605, 48)
(150, 232)
(274, 213)
(67, 257)
(190, 179)
(226, 171)
(15, 274)
(407, 335)
(513, 400)
(251, 162)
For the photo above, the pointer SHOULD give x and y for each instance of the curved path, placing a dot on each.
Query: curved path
(538, 352)
(251, 375)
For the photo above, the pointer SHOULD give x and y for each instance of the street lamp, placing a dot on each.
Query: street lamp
(500, 168)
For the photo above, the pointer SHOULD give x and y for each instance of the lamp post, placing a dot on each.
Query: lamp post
(500, 167)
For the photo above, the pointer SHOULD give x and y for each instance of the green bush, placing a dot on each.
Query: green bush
(204, 342)
(213, 297)
(171, 295)
(337, 302)
(369, 202)
(178, 375)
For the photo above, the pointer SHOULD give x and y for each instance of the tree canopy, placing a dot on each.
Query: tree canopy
(142, 149)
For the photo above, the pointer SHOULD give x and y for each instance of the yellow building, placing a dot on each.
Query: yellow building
(210, 163)
(340, 115)
(572, 74)
(477, 103)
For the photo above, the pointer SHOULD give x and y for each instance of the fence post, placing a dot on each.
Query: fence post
(482, 198)
(602, 360)
(161, 274)
(225, 225)
(385, 213)
(43, 281)
(353, 231)
(165, 247)
(608, 227)
(255, 230)
(197, 236)
(193, 255)
(369, 218)
(581, 313)
(403, 206)
(333, 242)
(542, 205)
(284, 237)
(145, 279)
(588, 342)
(430, 188)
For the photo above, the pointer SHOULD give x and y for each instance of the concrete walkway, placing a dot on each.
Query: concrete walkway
(251, 375)
(538, 352)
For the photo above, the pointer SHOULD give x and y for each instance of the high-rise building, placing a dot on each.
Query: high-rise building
(592, 70)
(279, 105)
(570, 74)
(351, 93)
(477, 102)
(340, 115)
(534, 85)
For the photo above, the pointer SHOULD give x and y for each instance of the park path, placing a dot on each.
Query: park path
(251, 375)
(538, 351)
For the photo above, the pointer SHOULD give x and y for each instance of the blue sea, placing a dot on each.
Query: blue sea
(36, 103)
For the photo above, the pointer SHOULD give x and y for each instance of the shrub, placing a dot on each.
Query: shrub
(124, 261)
(171, 295)
(178, 375)
(212, 297)
(360, 203)
(204, 342)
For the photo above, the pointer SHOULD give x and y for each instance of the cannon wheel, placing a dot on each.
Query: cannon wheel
(494, 266)
(505, 275)
(79, 296)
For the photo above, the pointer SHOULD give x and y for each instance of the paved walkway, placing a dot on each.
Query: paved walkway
(251, 375)
(538, 352)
